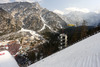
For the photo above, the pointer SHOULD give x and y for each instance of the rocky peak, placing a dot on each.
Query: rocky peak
(36, 4)
(8, 6)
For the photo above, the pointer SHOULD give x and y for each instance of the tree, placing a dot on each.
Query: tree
(83, 29)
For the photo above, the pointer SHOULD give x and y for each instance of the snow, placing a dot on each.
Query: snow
(85, 53)
(6, 60)
(33, 33)
(44, 22)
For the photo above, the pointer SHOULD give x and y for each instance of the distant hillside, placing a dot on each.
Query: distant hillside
(78, 17)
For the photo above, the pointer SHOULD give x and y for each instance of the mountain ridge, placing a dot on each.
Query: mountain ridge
(30, 15)
(74, 17)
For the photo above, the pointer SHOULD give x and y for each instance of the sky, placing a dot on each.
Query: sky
(62, 5)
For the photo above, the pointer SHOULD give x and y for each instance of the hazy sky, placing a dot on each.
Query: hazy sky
(62, 4)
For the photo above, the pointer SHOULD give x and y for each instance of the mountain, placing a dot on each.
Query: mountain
(34, 17)
(11, 28)
(82, 54)
(36, 25)
(7, 23)
(78, 17)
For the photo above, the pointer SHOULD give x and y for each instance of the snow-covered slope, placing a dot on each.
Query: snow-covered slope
(6, 60)
(82, 54)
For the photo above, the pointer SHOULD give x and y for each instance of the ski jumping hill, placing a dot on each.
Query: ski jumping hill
(85, 53)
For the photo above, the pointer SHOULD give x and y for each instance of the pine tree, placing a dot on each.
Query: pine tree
(83, 29)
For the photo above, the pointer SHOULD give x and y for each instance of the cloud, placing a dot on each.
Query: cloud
(4, 1)
(58, 11)
(85, 10)
(28, 0)
(71, 9)
(98, 11)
